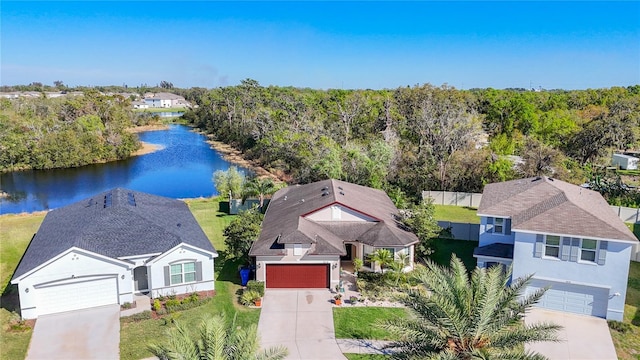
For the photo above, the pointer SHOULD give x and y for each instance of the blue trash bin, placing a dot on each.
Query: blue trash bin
(244, 276)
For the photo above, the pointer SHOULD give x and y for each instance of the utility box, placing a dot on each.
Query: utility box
(625, 162)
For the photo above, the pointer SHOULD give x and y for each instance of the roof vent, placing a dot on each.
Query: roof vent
(325, 193)
(107, 200)
(179, 225)
(285, 198)
(340, 187)
(131, 199)
(302, 200)
(536, 179)
(325, 188)
(341, 193)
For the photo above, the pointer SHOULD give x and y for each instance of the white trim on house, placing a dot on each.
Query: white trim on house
(191, 247)
(572, 236)
(139, 256)
(64, 253)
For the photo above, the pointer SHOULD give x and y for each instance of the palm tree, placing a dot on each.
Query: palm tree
(457, 317)
(215, 340)
(383, 257)
(258, 187)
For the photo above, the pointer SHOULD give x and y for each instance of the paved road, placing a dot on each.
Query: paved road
(301, 320)
(582, 337)
(83, 334)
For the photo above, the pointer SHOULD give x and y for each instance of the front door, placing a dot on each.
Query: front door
(349, 255)
(140, 278)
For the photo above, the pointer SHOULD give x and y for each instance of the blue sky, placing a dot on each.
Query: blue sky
(374, 44)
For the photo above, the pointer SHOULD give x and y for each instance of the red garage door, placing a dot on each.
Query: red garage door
(297, 276)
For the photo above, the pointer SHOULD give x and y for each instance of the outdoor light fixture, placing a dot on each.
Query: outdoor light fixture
(334, 266)
(26, 290)
(122, 277)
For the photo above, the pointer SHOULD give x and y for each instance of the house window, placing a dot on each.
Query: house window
(297, 249)
(552, 246)
(588, 250)
(498, 225)
(183, 273)
(392, 251)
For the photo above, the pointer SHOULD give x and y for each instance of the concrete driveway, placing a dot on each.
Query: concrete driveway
(301, 320)
(84, 334)
(583, 337)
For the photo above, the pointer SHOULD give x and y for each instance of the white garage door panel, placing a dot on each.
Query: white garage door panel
(572, 298)
(77, 295)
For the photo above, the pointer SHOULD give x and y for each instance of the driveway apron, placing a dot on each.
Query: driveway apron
(82, 334)
(582, 337)
(301, 320)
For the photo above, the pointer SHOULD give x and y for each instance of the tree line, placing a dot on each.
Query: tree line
(71, 131)
(410, 139)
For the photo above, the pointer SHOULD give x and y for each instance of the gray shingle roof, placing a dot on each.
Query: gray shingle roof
(546, 205)
(285, 221)
(116, 223)
(497, 250)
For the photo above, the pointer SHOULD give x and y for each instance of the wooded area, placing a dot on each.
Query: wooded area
(402, 140)
(70, 131)
(426, 137)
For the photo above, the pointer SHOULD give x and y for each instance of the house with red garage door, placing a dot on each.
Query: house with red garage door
(309, 229)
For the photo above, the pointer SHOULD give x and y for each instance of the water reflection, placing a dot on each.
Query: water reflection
(183, 169)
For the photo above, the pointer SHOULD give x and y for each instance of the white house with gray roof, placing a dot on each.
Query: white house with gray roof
(566, 236)
(102, 250)
(309, 229)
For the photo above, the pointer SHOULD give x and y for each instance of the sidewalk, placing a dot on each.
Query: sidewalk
(363, 346)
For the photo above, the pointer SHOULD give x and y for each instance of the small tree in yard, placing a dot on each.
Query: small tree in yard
(420, 220)
(229, 183)
(382, 257)
(242, 232)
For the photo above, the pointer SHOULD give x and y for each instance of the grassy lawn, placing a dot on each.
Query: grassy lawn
(360, 322)
(367, 356)
(456, 214)
(15, 233)
(628, 344)
(443, 248)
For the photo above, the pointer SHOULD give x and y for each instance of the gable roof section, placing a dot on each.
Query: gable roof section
(285, 221)
(547, 205)
(115, 223)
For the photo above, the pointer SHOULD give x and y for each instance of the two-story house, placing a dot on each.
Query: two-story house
(566, 236)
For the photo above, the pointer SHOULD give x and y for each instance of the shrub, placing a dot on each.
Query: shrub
(171, 303)
(187, 305)
(248, 297)
(257, 286)
(619, 326)
(126, 305)
(353, 300)
(157, 305)
(145, 315)
(161, 311)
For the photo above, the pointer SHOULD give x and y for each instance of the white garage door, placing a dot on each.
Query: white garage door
(79, 294)
(578, 299)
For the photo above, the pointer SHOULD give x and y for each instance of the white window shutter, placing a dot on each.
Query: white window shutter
(602, 254)
(539, 245)
(575, 249)
(566, 248)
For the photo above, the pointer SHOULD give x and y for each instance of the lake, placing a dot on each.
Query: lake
(183, 169)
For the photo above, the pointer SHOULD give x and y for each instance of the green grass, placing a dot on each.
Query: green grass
(443, 248)
(134, 337)
(360, 322)
(14, 344)
(212, 222)
(16, 232)
(456, 214)
(628, 344)
(367, 356)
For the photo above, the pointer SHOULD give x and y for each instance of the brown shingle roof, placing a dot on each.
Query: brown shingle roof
(548, 205)
(285, 221)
